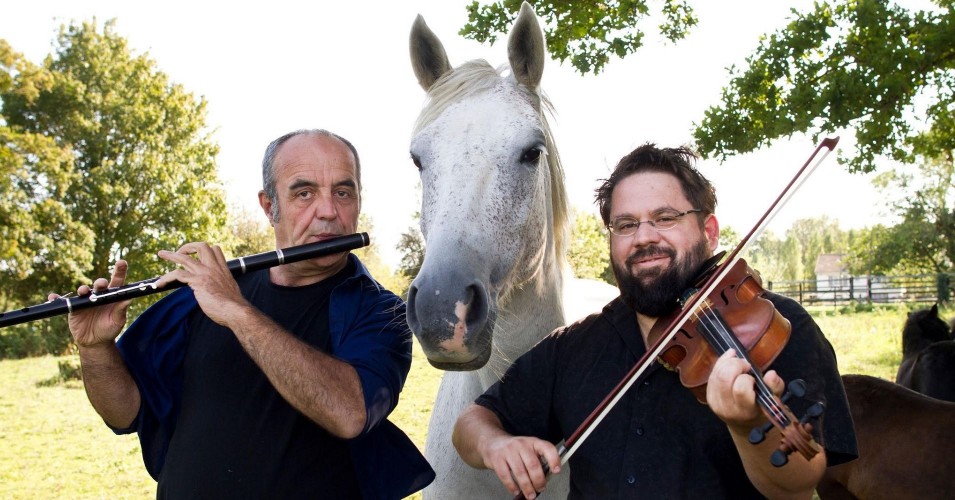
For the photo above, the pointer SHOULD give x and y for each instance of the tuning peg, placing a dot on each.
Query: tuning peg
(815, 411)
(796, 387)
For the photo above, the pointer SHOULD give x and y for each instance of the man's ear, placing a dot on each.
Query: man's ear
(266, 205)
(711, 227)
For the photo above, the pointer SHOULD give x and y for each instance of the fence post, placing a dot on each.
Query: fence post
(852, 289)
(942, 285)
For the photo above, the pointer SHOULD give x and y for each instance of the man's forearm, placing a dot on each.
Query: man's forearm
(797, 479)
(109, 385)
(475, 424)
(324, 389)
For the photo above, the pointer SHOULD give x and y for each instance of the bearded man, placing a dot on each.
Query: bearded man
(658, 441)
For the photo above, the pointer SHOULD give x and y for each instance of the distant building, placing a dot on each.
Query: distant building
(831, 275)
(835, 283)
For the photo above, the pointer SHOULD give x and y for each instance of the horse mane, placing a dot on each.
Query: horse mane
(477, 76)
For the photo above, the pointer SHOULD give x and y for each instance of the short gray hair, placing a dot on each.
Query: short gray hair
(268, 164)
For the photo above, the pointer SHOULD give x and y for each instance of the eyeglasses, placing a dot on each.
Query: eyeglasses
(626, 226)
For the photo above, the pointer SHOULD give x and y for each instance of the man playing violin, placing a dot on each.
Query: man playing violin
(659, 441)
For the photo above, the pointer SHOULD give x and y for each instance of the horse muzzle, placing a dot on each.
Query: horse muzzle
(452, 317)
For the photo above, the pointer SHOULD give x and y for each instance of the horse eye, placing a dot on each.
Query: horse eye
(417, 162)
(531, 155)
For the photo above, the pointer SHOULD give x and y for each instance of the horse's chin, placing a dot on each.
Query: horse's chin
(475, 363)
(460, 360)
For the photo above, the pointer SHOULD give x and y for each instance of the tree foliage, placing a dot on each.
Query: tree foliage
(585, 32)
(924, 240)
(251, 233)
(794, 257)
(411, 248)
(35, 173)
(138, 173)
(815, 237)
(866, 65)
(589, 254)
(371, 257)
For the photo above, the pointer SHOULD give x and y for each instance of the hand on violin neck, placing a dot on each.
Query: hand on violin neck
(731, 393)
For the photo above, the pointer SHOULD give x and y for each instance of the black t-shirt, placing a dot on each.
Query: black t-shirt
(659, 441)
(236, 437)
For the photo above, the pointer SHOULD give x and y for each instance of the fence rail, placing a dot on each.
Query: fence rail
(917, 288)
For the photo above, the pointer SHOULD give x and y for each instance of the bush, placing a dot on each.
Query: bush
(36, 339)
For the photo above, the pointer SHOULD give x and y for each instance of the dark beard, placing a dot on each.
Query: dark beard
(654, 293)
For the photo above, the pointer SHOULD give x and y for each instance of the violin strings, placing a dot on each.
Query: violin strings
(722, 338)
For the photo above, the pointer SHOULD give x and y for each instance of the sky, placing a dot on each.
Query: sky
(344, 66)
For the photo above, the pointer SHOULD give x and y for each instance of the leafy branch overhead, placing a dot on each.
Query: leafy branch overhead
(878, 69)
(585, 32)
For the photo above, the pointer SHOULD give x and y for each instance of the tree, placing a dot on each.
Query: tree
(372, 260)
(586, 32)
(411, 247)
(588, 254)
(34, 174)
(924, 240)
(142, 164)
(252, 234)
(865, 65)
(815, 237)
(729, 238)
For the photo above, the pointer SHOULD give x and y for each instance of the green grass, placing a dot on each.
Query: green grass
(53, 445)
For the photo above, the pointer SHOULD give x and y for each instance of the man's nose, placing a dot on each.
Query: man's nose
(645, 234)
(325, 207)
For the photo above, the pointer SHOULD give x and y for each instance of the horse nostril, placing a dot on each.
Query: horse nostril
(410, 310)
(477, 307)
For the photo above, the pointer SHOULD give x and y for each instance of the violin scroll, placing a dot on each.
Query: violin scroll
(797, 435)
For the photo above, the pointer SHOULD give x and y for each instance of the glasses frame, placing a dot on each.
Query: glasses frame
(654, 223)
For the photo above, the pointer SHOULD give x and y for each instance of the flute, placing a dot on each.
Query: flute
(240, 266)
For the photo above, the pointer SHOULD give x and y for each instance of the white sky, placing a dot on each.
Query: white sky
(344, 66)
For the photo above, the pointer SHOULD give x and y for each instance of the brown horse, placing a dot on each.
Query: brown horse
(905, 441)
(928, 355)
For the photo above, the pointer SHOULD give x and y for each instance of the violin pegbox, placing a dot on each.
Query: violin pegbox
(795, 437)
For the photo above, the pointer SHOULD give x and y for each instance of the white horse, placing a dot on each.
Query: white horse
(494, 217)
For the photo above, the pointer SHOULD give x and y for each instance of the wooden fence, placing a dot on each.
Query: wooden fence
(915, 289)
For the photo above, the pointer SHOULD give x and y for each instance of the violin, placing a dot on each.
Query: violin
(736, 316)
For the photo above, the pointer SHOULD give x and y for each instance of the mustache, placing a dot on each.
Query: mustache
(649, 252)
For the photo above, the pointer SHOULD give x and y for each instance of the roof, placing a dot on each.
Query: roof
(830, 263)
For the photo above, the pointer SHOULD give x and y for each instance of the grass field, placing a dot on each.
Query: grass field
(53, 445)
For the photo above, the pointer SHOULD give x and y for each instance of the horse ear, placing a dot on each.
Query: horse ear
(935, 309)
(525, 48)
(428, 57)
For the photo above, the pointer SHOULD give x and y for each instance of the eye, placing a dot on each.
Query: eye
(531, 155)
(624, 224)
(665, 220)
(417, 162)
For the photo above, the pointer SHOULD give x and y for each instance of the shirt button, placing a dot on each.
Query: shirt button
(639, 431)
(631, 479)
(646, 382)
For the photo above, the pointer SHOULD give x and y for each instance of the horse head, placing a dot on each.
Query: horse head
(493, 207)
(923, 328)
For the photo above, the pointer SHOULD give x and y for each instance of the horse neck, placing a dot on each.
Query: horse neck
(529, 313)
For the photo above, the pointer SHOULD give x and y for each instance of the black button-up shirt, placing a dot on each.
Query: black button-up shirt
(659, 441)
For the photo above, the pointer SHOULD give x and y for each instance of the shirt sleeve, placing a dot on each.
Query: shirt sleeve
(523, 398)
(809, 356)
(370, 333)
